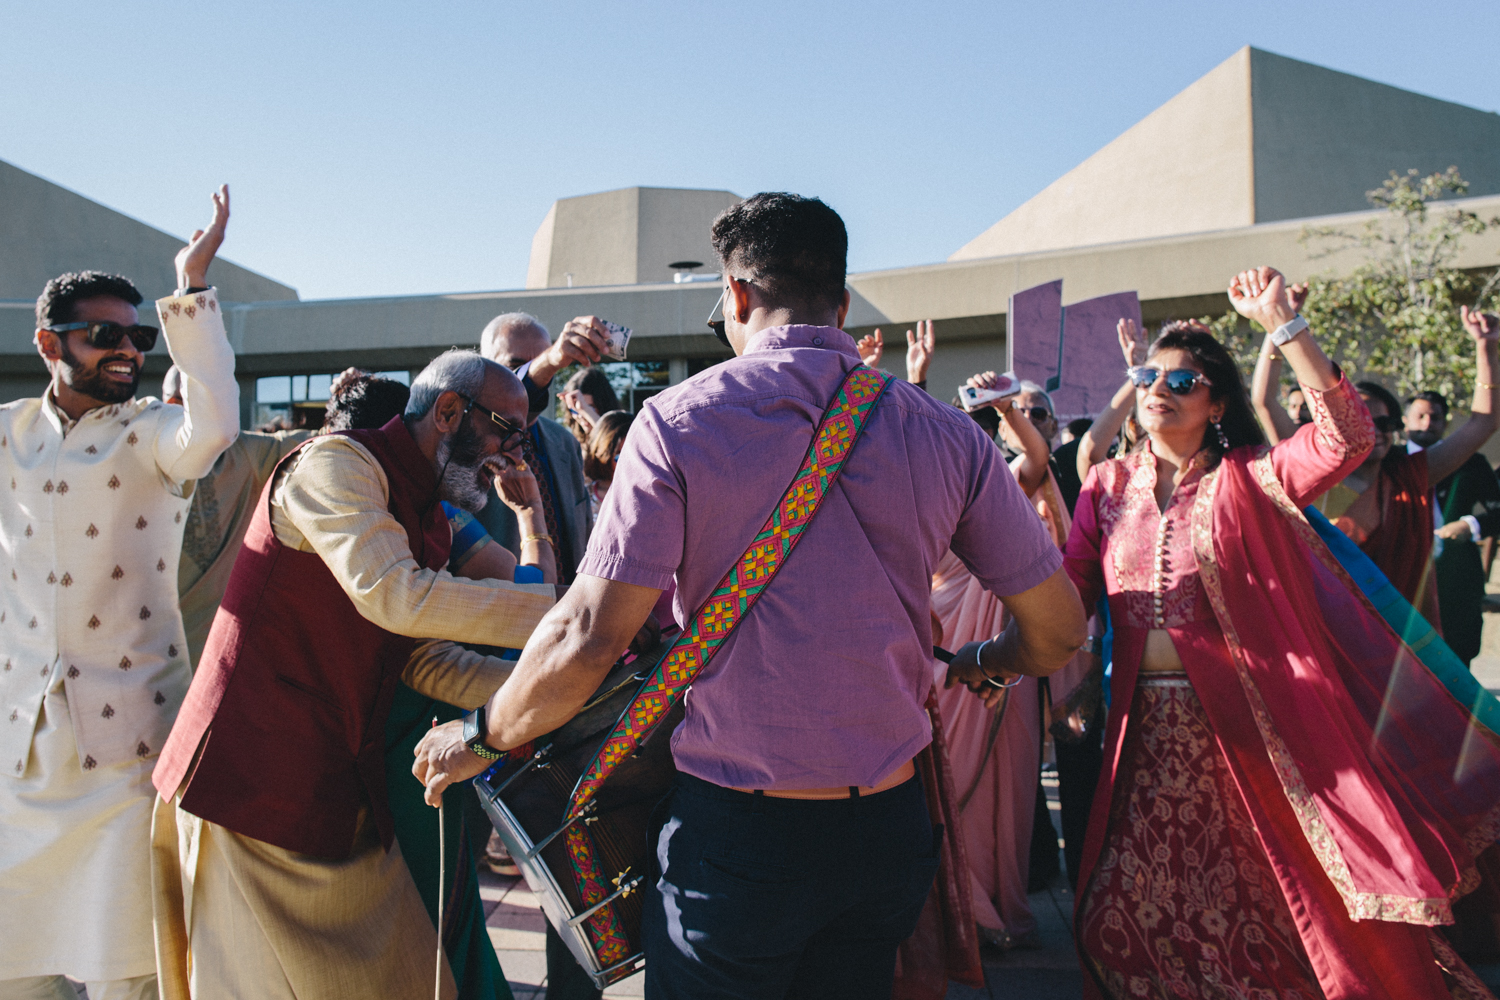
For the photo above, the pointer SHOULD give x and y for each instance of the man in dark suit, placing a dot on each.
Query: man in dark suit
(521, 343)
(1469, 502)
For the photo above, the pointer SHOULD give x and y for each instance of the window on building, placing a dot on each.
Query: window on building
(298, 401)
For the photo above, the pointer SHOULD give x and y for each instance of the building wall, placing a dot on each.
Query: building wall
(1314, 157)
(46, 230)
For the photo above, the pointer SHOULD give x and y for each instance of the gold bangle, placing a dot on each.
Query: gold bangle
(538, 538)
(1485, 385)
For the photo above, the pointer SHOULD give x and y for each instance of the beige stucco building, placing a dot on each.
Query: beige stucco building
(1225, 175)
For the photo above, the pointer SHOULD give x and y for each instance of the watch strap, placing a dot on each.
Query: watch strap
(475, 731)
(1288, 330)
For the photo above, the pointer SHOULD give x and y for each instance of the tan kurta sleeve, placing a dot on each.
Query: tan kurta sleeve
(453, 674)
(333, 501)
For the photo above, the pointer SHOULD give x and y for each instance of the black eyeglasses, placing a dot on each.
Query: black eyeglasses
(1387, 424)
(514, 432)
(1037, 413)
(1180, 381)
(107, 336)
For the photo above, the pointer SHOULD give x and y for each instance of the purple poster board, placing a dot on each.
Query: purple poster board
(1092, 366)
(1033, 327)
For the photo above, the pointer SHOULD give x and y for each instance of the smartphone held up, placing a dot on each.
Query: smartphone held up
(973, 397)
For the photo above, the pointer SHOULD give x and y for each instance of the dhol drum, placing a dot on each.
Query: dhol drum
(527, 799)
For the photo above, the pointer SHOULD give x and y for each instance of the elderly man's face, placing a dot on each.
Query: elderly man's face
(1033, 402)
(513, 346)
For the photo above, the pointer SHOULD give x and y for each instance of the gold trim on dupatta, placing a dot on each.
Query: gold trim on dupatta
(1361, 905)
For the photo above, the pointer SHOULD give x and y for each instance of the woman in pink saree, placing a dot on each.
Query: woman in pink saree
(1290, 801)
(997, 768)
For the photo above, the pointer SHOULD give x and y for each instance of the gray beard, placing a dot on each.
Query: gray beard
(464, 486)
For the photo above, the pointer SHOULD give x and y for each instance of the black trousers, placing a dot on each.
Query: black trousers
(761, 897)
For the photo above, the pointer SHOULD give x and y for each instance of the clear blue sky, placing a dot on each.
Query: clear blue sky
(383, 148)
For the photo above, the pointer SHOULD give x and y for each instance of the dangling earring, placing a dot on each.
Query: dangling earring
(1223, 441)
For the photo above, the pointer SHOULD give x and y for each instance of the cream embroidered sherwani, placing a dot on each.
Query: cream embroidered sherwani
(93, 660)
(236, 916)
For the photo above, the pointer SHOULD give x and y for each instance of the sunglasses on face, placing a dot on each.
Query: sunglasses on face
(106, 336)
(1180, 381)
(513, 432)
(1387, 424)
(1036, 413)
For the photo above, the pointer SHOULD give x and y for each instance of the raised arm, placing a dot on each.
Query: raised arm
(1274, 419)
(1445, 457)
(1314, 458)
(1094, 445)
(1032, 471)
(919, 348)
(190, 439)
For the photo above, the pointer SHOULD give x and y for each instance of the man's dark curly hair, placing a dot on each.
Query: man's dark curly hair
(63, 293)
(358, 400)
(795, 248)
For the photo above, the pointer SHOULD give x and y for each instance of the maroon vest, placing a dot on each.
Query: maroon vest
(290, 700)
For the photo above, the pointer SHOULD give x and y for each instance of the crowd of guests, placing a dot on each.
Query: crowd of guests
(1261, 791)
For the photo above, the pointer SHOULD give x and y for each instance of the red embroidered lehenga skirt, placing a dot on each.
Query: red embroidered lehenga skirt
(1183, 902)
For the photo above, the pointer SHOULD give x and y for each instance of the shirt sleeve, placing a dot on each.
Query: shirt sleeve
(454, 675)
(1323, 452)
(1082, 555)
(335, 496)
(1000, 537)
(190, 437)
(638, 538)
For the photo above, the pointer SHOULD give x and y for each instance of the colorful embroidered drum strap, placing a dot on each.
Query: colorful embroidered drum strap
(838, 432)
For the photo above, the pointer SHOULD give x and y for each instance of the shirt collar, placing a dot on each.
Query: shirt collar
(777, 338)
(60, 421)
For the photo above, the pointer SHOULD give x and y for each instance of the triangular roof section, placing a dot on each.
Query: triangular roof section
(46, 230)
(1259, 138)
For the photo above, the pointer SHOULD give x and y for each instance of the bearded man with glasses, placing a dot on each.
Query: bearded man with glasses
(93, 660)
(276, 871)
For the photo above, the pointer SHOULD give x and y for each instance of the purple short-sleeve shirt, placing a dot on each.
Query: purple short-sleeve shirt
(824, 683)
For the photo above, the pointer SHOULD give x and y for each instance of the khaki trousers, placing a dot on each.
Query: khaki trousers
(239, 918)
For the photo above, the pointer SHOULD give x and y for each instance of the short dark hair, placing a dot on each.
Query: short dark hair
(1434, 397)
(1393, 407)
(1224, 384)
(1079, 426)
(358, 400)
(795, 248)
(60, 298)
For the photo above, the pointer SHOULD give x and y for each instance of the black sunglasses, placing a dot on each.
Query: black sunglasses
(1387, 424)
(106, 336)
(1037, 412)
(1180, 381)
(514, 432)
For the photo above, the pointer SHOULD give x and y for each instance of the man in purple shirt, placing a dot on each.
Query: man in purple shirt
(796, 852)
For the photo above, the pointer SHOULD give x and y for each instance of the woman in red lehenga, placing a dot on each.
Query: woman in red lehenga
(999, 780)
(1291, 801)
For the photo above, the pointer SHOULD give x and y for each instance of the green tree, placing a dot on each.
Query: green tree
(1394, 316)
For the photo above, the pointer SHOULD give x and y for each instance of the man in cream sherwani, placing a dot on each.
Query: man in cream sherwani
(94, 487)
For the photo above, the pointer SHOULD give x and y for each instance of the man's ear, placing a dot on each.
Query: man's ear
(48, 345)
(448, 411)
(737, 302)
(844, 309)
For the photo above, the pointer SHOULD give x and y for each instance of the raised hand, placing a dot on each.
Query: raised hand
(582, 412)
(1261, 294)
(582, 342)
(871, 346)
(1132, 342)
(919, 351)
(1297, 295)
(516, 486)
(1483, 327)
(192, 260)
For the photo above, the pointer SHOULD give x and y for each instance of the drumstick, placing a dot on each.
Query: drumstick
(437, 986)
